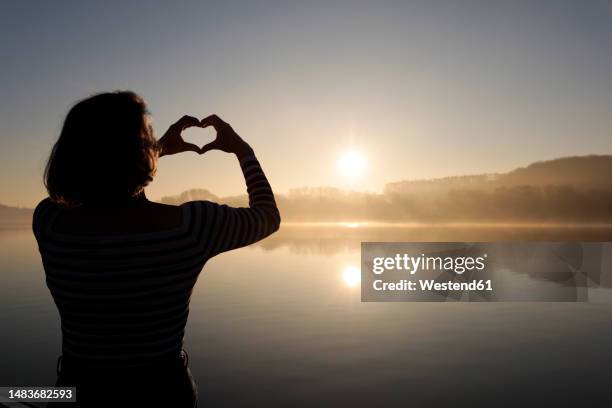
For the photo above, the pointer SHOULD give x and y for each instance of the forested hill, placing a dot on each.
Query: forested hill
(582, 173)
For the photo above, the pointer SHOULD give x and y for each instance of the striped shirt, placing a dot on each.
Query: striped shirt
(124, 299)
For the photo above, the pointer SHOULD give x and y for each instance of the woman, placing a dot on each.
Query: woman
(121, 268)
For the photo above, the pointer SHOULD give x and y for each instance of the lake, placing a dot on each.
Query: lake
(281, 324)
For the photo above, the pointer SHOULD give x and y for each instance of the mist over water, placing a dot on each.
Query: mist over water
(281, 324)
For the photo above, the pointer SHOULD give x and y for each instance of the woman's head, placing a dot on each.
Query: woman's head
(106, 151)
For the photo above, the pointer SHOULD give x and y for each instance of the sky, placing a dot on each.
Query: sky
(420, 89)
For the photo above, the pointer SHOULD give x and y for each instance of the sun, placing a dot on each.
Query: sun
(351, 163)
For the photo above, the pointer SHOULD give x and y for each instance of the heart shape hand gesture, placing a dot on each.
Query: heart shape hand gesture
(227, 139)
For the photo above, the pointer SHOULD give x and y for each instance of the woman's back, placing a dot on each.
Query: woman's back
(123, 299)
(123, 288)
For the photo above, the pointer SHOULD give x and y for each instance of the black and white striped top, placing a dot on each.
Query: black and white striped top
(124, 299)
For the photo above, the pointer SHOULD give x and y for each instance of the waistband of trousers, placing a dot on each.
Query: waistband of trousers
(66, 362)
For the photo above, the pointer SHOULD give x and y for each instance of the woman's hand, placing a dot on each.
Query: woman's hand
(227, 139)
(172, 142)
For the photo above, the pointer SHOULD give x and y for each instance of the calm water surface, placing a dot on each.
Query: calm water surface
(281, 324)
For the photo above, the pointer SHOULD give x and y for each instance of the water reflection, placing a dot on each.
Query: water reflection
(568, 264)
(334, 238)
(351, 276)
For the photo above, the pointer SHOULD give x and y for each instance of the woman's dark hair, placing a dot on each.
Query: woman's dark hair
(105, 152)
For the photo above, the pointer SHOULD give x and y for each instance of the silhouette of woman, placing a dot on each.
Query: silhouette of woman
(121, 268)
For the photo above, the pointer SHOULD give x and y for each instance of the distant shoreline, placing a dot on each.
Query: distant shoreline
(463, 224)
(5, 224)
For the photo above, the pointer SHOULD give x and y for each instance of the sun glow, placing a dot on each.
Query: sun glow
(351, 163)
(351, 276)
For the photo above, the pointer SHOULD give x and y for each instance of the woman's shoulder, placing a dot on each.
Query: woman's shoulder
(197, 203)
(45, 208)
(163, 210)
(204, 210)
(203, 205)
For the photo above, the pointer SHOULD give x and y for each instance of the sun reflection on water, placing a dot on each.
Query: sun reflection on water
(351, 276)
(350, 224)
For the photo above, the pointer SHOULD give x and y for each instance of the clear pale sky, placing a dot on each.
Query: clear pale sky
(423, 89)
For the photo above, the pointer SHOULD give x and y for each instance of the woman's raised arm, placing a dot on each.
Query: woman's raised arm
(224, 227)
